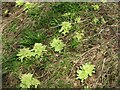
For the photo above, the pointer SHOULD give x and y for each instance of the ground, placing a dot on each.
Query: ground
(98, 45)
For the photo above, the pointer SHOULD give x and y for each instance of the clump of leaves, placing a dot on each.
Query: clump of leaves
(38, 49)
(66, 26)
(26, 53)
(77, 20)
(57, 44)
(28, 6)
(78, 35)
(27, 81)
(19, 3)
(96, 7)
(85, 71)
(96, 20)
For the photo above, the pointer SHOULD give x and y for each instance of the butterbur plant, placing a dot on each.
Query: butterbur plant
(78, 35)
(36, 52)
(77, 20)
(27, 81)
(57, 44)
(96, 20)
(24, 53)
(66, 26)
(38, 49)
(28, 6)
(19, 3)
(85, 71)
(96, 7)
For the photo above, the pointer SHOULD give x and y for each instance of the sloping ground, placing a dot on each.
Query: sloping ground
(41, 24)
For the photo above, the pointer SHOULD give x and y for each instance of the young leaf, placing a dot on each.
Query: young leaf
(66, 26)
(78, 35)
(38, 49)
(57, 44)
(77, 20)
(24, 53)
(27, 81)
(86, 70)
(19, 3)
(96, 7)
(95, 20)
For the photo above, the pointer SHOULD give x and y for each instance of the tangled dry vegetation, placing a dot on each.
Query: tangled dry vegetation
(98, 46)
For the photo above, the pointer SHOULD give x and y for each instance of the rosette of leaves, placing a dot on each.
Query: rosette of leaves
(19, 3)
(38, 49)
(77, 20)
(24, 53)
(96, 7)
(95, 20)
(57, 44)
(66, 26)
(85, 71)
(27, 81)
(78, 35)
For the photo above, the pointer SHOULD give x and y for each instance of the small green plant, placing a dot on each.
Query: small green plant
(78, 35)
(28, 6)
(27, 81)
(77, 20)
(36, 52)
(24, 54)
(38, 49)
(96, 20)
(57, 44)
(96, 7)
(6, 12)
(19, 3)
(85, 71)
(102, 20)
(66, 26)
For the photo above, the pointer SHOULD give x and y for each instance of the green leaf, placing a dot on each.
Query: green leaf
(78, 35)
(95, 20)
(66, 26)
(19, 3)
(38, 49)
(82, 75)
(57, 44)
(24, 53)
(86, 70)
(28, 6)
(89, 68)
(96, 7)
(77, 20)
(27, 81)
